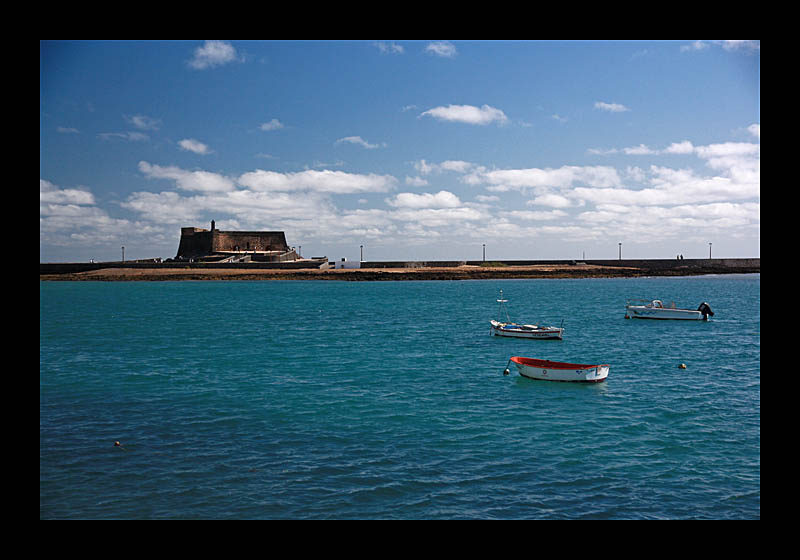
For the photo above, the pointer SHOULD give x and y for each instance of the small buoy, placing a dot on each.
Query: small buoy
(117, 444)
(682, 366)
(505, 371)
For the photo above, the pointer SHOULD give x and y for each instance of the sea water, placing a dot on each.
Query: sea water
(387, 400)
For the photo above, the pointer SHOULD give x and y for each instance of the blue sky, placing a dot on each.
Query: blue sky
(417, 150)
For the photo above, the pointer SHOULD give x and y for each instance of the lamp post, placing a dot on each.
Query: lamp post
(484, 252)
(709, 251)
(620, 251)
(362, 252)
(123, 254)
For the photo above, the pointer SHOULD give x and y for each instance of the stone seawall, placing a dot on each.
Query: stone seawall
(370, 271)
(744, 264)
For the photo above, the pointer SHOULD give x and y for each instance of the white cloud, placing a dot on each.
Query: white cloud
(551, 199)
(736, 44)
(204, 181)
(167, 207)
(611, 107)
(442, 199)
(468, 114)
(416, 181)
(389, 48)
(274, 124)
(445, 49)
(143, 122)
(728, 45)
(640, 150)
(439, 217)
(211, 54)
(51, 194)
(360, 142)
(191, 145)
(695, 46)
(457, 166)
(561, 178)
(131, 136)
(684, 147)
(325, 181)
(70, 217)
(531, 215)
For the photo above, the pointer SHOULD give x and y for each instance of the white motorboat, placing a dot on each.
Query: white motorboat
(517, 330)
(656, 309)
(549, 370)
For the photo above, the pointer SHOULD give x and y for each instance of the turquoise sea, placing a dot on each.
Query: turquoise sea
(387, 400)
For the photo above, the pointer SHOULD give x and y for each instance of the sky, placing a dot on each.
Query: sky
(412, 150)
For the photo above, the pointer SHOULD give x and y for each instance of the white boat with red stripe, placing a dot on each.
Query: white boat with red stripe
(549, 370)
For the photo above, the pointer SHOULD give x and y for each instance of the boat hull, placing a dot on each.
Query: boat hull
(547, 370)
(505, 329)
(646, 312)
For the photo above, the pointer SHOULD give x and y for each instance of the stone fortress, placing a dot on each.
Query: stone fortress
(198, 244)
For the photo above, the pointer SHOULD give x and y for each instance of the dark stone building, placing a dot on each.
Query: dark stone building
(213, 244)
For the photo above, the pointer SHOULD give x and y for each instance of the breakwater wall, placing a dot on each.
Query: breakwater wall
(663, 267)
(73, 268)
(722, 265)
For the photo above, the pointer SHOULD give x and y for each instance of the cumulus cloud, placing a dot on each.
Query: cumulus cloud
(457, 166)
(51, 194)
(467, 114)
(563, 177)
(188, 180)
(550, 199)
(191, 145)
(326, 181)
(71, 216)
(274, 124)
(442, 199)
(211, 54)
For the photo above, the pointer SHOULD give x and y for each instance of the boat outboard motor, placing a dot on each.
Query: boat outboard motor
(705, 309)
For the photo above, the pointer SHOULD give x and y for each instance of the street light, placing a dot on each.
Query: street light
(123, 254)
(484, 252)
(620, 251)
(709, 251)
(362, 252)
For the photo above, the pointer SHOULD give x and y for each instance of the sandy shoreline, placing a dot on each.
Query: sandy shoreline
(370, 274)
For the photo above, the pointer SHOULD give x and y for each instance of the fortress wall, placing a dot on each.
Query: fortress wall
(249, 241)
(198, 242)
